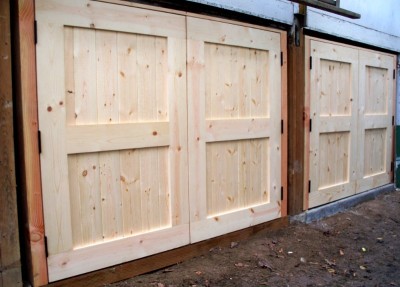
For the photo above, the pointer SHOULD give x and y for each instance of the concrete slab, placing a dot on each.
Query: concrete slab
(332, 208)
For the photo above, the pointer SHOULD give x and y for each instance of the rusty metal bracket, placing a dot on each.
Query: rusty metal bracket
(329, 6)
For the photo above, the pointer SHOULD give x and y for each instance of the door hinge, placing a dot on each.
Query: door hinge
(281, 192)
(391, 166)
(281, 126)
(46, 250)
(281, 58)
(35, 31)
(392, 120)
(310, 62)
(310, 125)
(309, 186)
(394, 74)
(39, 142)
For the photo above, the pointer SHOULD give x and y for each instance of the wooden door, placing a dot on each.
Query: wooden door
(333, 122)
(375, 126)
(234, 98)
(113, 122)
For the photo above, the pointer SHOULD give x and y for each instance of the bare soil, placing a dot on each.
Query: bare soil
(357, 247)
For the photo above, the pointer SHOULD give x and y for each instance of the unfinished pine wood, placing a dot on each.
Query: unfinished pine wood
(167, 258)
(285, 126)
(234, 107)
(113, 123)
(333, 106)
(375, 132)
(351, 105)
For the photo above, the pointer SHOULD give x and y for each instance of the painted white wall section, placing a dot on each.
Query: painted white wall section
(276, 10)
(379, 26)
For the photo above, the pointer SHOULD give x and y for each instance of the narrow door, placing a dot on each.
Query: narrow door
(333, 122)
(234, 94)
(375, 126)
(112, 116)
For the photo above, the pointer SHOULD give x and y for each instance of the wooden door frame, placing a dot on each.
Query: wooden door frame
(28, 141)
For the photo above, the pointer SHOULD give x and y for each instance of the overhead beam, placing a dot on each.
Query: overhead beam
(329, 8)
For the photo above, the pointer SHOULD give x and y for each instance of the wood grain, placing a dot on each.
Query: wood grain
(334, 94)
(296, 126)
(375, 131)
(164, 259)
(351, 142)
(235, 97)
(27, 107)
(10, 263)
(113, 123)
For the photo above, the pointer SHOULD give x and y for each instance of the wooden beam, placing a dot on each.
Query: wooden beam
(168, 258)
(10, 263)
(27, 133)
(329, 8)
(296, 165)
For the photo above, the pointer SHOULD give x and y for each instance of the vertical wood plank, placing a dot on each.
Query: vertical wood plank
(196, 136)
(297, 119)
(178, 117)
(52, 122)
(108, 112)
(129, 112)
(146, 61)
(284, 116)
(10, 262)
(30, 180)
(85, 65)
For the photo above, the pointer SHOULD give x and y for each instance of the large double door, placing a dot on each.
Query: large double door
(157, 130)
(350, 129)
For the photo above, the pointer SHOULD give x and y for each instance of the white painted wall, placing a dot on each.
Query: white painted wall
(276, 10)
(379, 26)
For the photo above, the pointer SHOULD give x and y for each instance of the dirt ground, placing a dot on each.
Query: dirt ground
(358, 247)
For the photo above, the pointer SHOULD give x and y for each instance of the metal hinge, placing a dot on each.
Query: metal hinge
(46, 250)
(281, 58)
(392, 120)
(309, 186)
(310, 125)
(39, 142)
(394, 74)
(281, 126)
(310, 62)
(281, 192)
(35, 31)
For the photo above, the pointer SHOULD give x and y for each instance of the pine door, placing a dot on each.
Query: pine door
(234, 104)
(375, 123)
(113, 122)
(333, 122)
(351, 94)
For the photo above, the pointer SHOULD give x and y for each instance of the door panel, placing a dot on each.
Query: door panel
(351, 109)
(113, 120)
(333, 114)
(234, 93)
(375, 130)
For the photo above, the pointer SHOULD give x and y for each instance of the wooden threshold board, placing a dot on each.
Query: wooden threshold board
(168, 258)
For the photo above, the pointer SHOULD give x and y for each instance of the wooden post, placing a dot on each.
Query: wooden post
(27, 133)
(296, 96)
(10, 263)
